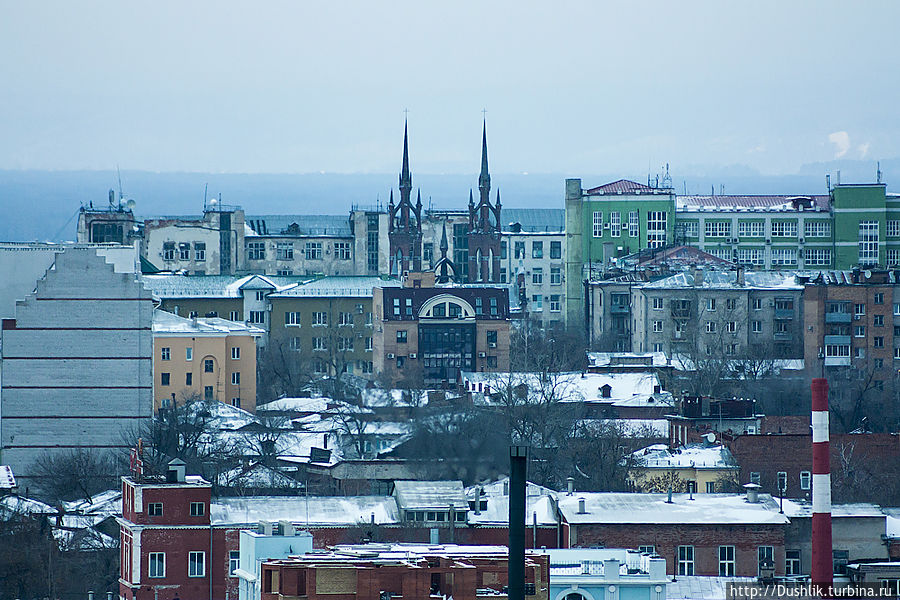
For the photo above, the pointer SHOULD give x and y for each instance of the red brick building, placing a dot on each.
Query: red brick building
(372, 571)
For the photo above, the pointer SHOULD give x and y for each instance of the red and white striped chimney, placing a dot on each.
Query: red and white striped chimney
(822, 566)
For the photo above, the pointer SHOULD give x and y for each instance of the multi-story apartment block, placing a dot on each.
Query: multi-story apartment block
(851, 225)
(852, 325)
(429, 333)
(308, 245)
(328, 322)
(700, 313)
(209, 358)
(76, 361)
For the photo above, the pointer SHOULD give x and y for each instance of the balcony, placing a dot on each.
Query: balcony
(784, 313)
(833, 317)
(619, 309)
(837, 340)
(837, 361)
(784, 336)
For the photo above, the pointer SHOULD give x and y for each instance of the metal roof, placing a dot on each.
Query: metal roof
(300, 225)
(430, 494)
(213, 286)
(534, 220)
(626, 186)
(750, 202)
(728, 280)
(342, 285)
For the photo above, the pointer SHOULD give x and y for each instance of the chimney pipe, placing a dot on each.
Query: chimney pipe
(570, 485)
(581, 509)
(516, 563)
(822, 569)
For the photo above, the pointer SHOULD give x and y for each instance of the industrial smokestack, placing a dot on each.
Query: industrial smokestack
(516, 564)
(822, 568)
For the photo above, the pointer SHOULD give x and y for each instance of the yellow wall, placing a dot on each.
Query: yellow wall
(219, 350)
(641, 478)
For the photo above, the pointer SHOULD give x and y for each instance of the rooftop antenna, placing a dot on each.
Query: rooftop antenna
(205, 190)
(119, 177)
(878, 172)
(712, 188)
(721, 189)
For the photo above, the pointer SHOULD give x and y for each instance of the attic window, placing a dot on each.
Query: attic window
(606, 391)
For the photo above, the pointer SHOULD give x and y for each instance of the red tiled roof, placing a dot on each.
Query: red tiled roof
(622, 186)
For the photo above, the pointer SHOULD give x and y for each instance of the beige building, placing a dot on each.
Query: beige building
(210, 358)
(698, 468)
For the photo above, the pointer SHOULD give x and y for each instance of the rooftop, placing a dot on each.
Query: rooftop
(300, 225)
(764, 280)
(625, 186)
(430, 494)
(698, 456)
(534, 220)
(7, 479)
(570, 387)
(343, 285)
(803, 509)
(750, 203)
(214, 286)
(166, 323)
(312, 510)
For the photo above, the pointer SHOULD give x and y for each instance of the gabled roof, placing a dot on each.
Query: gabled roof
(625, 186)
(165, 286)
(430, 494)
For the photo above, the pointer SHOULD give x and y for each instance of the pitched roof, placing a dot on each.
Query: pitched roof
(430, 494)
(622, 186)
(359, 286)
(213, 286)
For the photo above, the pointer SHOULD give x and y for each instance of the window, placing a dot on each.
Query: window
(494, 309)
(792, 562)
(657, 347)
(839, 560)
(284, 272)
(690, 229)
(188, 379)
(520, 249)
(731, 327)
(342, 251)
(868, 242)
(199, 251)
(537, 302)
(555, 305)
(198, 509)
(710, 487)
(257, 317)
(598, 223)
(755, 229)
(492, 362)
(859, 331)
(169, 251)
(710, 304)
(817, 257)
(730, 304)
(345, 344)
(319, 344)
(208, 365)
(294, 343)
(313, 250)
(492, 339)
(196, 564)
(657, 303)
(615, 224)
(710, 327)
(893, 258)
(555, 275)
(757, 304)
(784, 256)
(878, 363)
(649, 549)
(657, 326)
(784, 228)
(555, 250)
(155, 509)
(345, 319)
(319, 318)
(292, 318)
(284, 251)
(805, 479)
(782, 481)
(208, 392)
(859, 309)
(157, 567)
(685, 560)
(893, 228)
(879, 298)
(656, 229)
(234, 562)
(750, 256)
(878, 320)
(164, 378)
(503, 250)
(368, 344)
(756, 326)
(634, 224)
(766, 554)
(236, 378)
(878, 342)
(857, 352)
(537, 275)
(256, 251)
(537, 249)
(726, 561)
(235, 315)
(754, 477)
(820, 228)
(717, 228)
(184, 251)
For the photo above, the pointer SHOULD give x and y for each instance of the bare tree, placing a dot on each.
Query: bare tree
(76, 474)
(283, 370)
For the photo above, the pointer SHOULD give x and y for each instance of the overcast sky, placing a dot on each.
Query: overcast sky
(579, 87)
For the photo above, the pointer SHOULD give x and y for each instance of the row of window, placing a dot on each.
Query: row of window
(554, 301)
(320, 318)
(782, 478)
(183, 251)
(813, 257)
(436, 516)
(537, 249)
(156, 567)
(155, 509)
(726, 556)
(166, 354)
(655, 223)
(537, 275)
(320, 344)
(781, 304)
(756, 229)
(285, 250)
(165, 379)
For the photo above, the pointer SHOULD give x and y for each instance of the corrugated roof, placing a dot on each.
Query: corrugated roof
(625, 186)
(430, 494)
(534, 220)
(357, 286)
(749, 202)
(300, 225)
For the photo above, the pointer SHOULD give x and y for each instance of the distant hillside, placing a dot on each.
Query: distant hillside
(43, 205)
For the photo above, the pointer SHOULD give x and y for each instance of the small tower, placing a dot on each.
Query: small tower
(484, 226)
(444, 270)
(405, 229)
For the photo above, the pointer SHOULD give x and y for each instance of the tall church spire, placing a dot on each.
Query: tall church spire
(484, 179)
(405, 176)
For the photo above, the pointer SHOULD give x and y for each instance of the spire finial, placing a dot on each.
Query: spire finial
(444, 245)
(471, 198)
(419, 198)
(405, 177)
(484, 179)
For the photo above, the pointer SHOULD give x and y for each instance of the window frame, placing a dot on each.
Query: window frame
(160, 562)
(192, 563)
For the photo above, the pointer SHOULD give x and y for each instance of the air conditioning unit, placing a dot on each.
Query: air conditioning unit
(390, 356)
(412, 355)
(857, 317)
(482, 354)
(492, 344)
(677, 335)
(606, 226)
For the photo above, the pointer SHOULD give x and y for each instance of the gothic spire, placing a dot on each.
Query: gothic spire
(471, 199)
(444, 245)
(484, 179)
(405, 176)
(419, 198)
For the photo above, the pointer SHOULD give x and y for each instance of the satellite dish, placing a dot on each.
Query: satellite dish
(867, 273)
(213, 202)
(130, 204)
(710, 437)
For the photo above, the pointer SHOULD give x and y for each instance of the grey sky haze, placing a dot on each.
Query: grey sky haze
(570, 87)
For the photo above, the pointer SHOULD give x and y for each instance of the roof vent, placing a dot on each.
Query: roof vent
(581, 509)
(175, 472)
(752, 492)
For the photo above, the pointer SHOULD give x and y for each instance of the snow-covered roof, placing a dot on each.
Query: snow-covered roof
(18, 504)
(321, 510)
(758, 280)
(703, 509)
(166, 323)
(892, 524)
(699, 587)
(7, 479)
(753, 203)
(420, 495)
(106, 503)
(257, 475)
(343, 286)
(569, 387)
(627, 359)
(696, 456)
(803, 509)
(214, 286)
(316, 404)
(497, 512)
